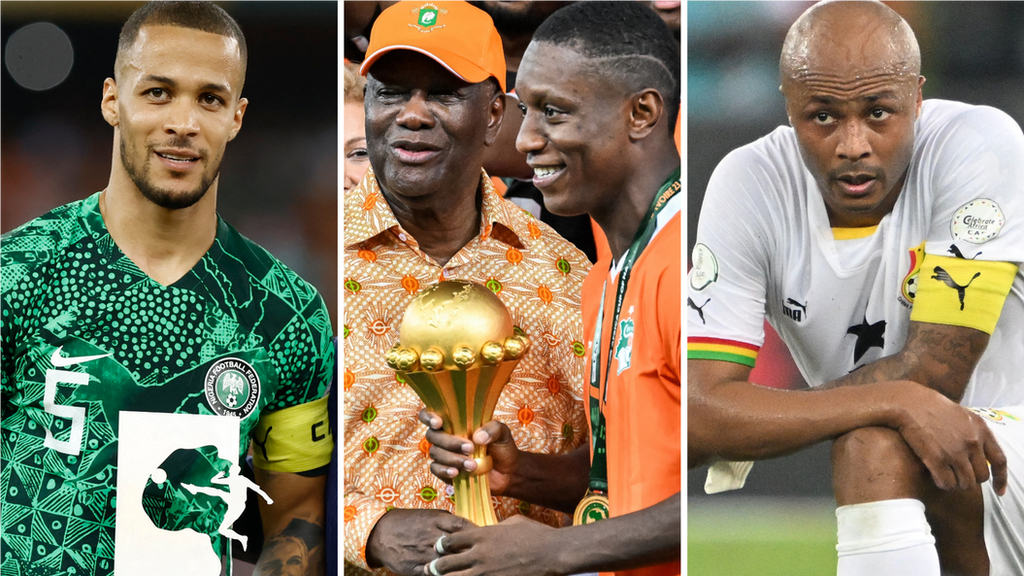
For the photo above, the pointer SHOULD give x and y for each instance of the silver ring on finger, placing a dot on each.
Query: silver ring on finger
(432, 568)
(439, 545)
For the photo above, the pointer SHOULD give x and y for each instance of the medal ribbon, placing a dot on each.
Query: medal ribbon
(599, 463)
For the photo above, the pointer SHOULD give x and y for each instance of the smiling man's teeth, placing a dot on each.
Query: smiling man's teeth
(178, 158)
(544, 172)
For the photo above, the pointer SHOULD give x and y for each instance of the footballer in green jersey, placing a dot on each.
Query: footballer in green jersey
(89, 338)
(147, 345)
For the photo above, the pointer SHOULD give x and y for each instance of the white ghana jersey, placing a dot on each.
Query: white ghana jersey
(765, 249)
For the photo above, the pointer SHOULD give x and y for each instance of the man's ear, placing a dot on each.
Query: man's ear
(495, 113)
(920, 94)
(243, 103)
(646, 109)
(108, 105)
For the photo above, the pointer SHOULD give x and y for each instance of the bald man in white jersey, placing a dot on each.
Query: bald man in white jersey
(882, 236)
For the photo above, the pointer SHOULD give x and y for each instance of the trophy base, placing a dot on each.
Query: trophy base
(465, 400)
(473, 498)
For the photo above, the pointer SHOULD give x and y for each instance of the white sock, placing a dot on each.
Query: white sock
(887, 538)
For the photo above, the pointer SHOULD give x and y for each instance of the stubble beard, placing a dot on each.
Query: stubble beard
(168, 199)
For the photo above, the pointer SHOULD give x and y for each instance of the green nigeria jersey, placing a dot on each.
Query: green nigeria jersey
(124, 399)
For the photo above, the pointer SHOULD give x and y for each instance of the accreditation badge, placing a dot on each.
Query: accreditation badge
(592, 508)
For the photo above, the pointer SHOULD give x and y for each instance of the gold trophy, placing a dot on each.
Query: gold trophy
(457, 349)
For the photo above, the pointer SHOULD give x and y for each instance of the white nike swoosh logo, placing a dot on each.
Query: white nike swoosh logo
(59, 361)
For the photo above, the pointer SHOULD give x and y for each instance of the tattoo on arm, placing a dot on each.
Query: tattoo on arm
(293, 526)
(298, 549)
(939, 356)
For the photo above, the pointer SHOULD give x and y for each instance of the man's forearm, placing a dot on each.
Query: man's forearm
(555, 481)
(735, 420)
(522, 547)
(938, 356)
(293, 526)
(742, 421)
(642, 538)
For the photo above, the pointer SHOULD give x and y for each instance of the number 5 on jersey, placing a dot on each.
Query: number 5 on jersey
(72, 445)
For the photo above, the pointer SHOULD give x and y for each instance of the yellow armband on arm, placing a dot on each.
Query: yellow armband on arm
(295, 439)
(960, 292)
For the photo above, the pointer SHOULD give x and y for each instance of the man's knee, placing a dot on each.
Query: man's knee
(870, 464)
(869, 446)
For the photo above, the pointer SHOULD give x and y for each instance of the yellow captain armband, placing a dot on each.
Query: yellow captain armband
(961, 292)
(295, 439)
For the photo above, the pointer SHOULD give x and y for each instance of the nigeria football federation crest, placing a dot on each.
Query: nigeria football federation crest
(232, 387)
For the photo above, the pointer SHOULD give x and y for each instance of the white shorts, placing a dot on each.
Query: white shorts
(1004, 515)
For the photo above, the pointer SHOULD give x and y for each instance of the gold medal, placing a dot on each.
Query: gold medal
(592, 508)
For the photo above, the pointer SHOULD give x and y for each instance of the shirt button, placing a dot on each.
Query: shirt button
(448, 273)
(402, 237)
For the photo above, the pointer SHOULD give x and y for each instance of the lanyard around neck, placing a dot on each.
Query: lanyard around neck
(649, 224)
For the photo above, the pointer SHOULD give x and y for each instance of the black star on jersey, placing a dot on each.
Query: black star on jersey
(868, 335)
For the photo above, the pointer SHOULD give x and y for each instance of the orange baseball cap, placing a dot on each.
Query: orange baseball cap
(460, 37)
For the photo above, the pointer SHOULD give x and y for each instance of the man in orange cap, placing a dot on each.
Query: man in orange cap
(425, 211)
(599, 89)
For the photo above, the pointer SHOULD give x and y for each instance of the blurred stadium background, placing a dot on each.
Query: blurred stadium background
(280, 175)
(783, 522)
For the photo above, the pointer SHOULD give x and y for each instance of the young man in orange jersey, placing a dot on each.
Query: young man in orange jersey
(599, 87)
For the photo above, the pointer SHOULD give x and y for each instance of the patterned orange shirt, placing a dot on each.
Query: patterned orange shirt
(536, 273)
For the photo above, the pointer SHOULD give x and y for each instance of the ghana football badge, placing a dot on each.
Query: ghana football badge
(232, 387)
(908, 288)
